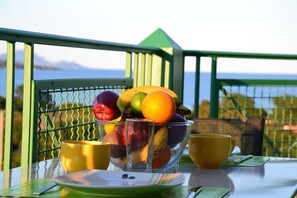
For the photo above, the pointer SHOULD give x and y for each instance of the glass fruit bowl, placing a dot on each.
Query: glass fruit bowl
(135, 149)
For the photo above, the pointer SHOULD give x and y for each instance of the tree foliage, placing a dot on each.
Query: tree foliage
(285, 108)
(233, 106)
(204, 109)
(2, 102)
(19, 91)
(239, 106)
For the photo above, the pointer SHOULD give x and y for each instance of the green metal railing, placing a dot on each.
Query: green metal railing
(145, 65)
(275, 100)
(137, 58)
(215, 56)
(64, 112)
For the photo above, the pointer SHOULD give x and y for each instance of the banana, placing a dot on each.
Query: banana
(109, 127)
(124, 99)
(160, 141)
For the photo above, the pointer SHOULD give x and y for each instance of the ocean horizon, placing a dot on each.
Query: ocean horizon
(189, 80)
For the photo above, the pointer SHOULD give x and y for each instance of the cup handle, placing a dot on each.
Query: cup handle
(232, 144)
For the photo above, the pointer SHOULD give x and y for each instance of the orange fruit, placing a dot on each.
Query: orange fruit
(162, 159)
(158, 106)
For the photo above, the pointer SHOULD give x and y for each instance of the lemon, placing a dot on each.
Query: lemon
(136, 103)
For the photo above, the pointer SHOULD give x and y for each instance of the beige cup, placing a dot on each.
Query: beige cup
(82, 155)
(210, 150)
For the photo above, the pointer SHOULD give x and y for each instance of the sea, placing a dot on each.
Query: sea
(189, 80)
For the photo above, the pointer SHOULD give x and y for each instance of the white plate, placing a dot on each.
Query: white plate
(119, 183)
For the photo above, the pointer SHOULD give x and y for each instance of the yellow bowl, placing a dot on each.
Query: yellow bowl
(82, 155)
(210, 150)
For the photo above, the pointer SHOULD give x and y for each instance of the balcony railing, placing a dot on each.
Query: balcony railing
(45, 122)
(238, 98)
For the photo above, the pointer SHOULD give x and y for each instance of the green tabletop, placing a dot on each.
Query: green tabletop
(277, 177)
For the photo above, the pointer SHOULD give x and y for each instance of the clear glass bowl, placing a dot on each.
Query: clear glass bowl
(170, 140)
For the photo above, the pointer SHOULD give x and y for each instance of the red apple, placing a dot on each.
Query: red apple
(176, 133)
(105, 106)
(137, 136)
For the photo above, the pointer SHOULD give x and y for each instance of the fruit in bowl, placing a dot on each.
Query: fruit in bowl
(104, 106)
(165, 154)
(177, 132)
(170, 133)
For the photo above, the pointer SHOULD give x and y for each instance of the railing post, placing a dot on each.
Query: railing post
(214, 97)
(128, 73)
(148, 69)
(1, 138)
(197, 88)
(27, 135)
(9, 111)
(178, 71)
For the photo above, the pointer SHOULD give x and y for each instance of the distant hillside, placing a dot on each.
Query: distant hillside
(21, 66)
(40, 63)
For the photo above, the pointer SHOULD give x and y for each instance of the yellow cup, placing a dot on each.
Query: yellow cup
(82, 155)
(210, 150)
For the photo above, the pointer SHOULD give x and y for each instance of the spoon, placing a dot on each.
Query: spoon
(194, 191)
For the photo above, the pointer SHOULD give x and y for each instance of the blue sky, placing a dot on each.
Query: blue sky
(265, 26)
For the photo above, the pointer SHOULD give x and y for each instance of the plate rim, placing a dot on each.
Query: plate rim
(83, 186)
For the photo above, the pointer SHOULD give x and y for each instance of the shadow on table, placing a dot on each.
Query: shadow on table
(210, 178)
(220, 178)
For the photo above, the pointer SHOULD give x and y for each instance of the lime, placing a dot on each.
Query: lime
(136, 103)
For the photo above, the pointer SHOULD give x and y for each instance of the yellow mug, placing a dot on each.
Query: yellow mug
(210, 150)
(82, 155)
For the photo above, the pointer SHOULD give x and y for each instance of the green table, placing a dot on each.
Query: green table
(275, 178)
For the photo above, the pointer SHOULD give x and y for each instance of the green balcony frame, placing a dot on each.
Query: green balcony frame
(157, 60)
